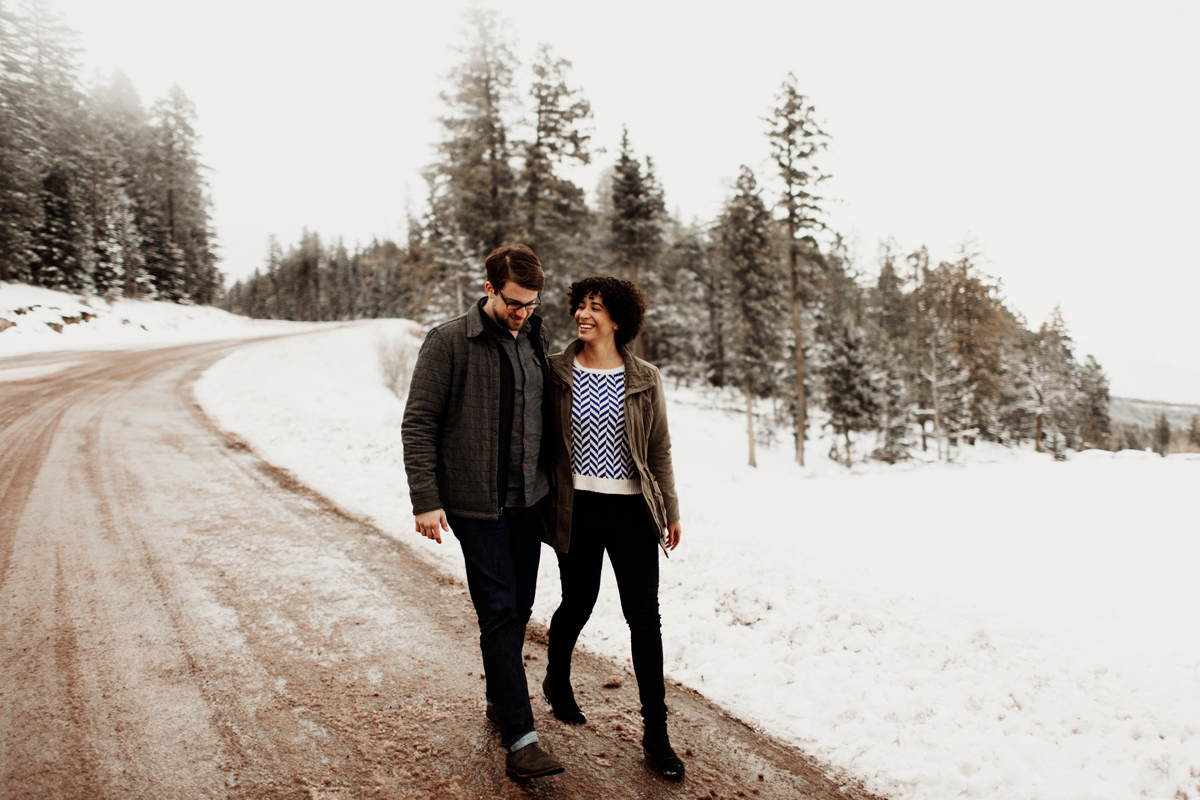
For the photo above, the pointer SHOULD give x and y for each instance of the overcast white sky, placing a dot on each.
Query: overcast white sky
(1060, 136)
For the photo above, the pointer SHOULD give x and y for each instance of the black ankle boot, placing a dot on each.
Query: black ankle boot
(562, 701)
(657, 746)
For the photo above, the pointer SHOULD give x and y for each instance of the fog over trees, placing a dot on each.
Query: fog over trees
(97, 193)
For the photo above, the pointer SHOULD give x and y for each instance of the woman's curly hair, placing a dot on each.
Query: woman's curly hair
(626, 303)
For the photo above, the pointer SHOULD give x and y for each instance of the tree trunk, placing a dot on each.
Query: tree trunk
(533, 195)
(798, 336)
(750, 422)
(937, 409)
(718, 336)
(95, 214)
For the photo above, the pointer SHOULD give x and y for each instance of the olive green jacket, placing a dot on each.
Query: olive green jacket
(649, 442)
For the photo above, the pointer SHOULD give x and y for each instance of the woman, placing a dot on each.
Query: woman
(615, 492)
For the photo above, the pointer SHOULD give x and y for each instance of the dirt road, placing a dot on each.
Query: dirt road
(178, 619)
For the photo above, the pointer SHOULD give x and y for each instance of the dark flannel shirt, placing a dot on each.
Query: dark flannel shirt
(528, 480)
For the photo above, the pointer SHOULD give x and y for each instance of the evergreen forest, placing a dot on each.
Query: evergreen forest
(767, 301)
(97, 194)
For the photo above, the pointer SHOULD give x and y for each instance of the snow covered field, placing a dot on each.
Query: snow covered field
(1008, 628)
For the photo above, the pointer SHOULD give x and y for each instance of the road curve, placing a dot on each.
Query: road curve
(179, 619)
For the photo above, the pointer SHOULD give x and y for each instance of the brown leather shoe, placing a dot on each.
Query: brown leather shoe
(531, 761)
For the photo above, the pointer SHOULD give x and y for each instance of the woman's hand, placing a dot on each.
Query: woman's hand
(674, 531)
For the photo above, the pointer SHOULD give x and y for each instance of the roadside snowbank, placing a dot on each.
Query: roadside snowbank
(1012, 628)
(37, 320)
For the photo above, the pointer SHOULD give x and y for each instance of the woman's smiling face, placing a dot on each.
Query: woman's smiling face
(592, 318)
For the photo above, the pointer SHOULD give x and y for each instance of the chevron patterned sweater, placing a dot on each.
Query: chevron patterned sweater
(600, 456)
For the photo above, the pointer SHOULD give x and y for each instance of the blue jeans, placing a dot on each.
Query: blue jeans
(502, 564)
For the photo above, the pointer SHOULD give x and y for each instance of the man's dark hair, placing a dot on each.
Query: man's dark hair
(626, 303)
(516, 263)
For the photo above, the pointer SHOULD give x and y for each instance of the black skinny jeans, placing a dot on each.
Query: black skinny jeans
(621, 525)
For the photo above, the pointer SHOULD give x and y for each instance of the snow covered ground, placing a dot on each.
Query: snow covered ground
(1005, 627)
(1010, 627)
(37, 320)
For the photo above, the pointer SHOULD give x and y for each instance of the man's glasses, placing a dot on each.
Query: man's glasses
(513, 305)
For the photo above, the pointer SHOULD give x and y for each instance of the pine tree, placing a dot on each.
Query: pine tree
(978, 330)
(41, 136)
(117, 244)
(19, 141)
(894, 415)
(796, 138)
(679, 317)
(894, 307)
(164, 262)
(1093, 406)
(55, 101)
(302, 273)
(708, 295)
(554, 216)
(271, 294)
(949, 384)
(59, 113)
(637, 210)
(551, 203)
(893, 349)
(343, 287)
(850, 397)
(455, 270)
(1049, 381)
(475, 180)
(448, 264)
(918, 342)
(746, 250)
(179, 199)
(56, 241)
(122, 180)
(1194, 432)
(1162, 434)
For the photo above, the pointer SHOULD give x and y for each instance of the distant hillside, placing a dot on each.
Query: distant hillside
(1130, 411)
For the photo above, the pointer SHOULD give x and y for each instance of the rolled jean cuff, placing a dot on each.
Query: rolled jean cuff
(524, 741)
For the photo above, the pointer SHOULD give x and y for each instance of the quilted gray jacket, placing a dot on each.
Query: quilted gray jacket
(451, 429)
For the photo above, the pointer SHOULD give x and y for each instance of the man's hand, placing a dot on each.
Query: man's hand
(430, 524)
(674, 532)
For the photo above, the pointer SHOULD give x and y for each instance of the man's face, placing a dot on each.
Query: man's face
(510, 306)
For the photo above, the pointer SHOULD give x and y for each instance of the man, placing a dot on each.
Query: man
(472, 432)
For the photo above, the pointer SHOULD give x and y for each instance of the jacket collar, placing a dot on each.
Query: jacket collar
(477, 324)
(639, 375)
